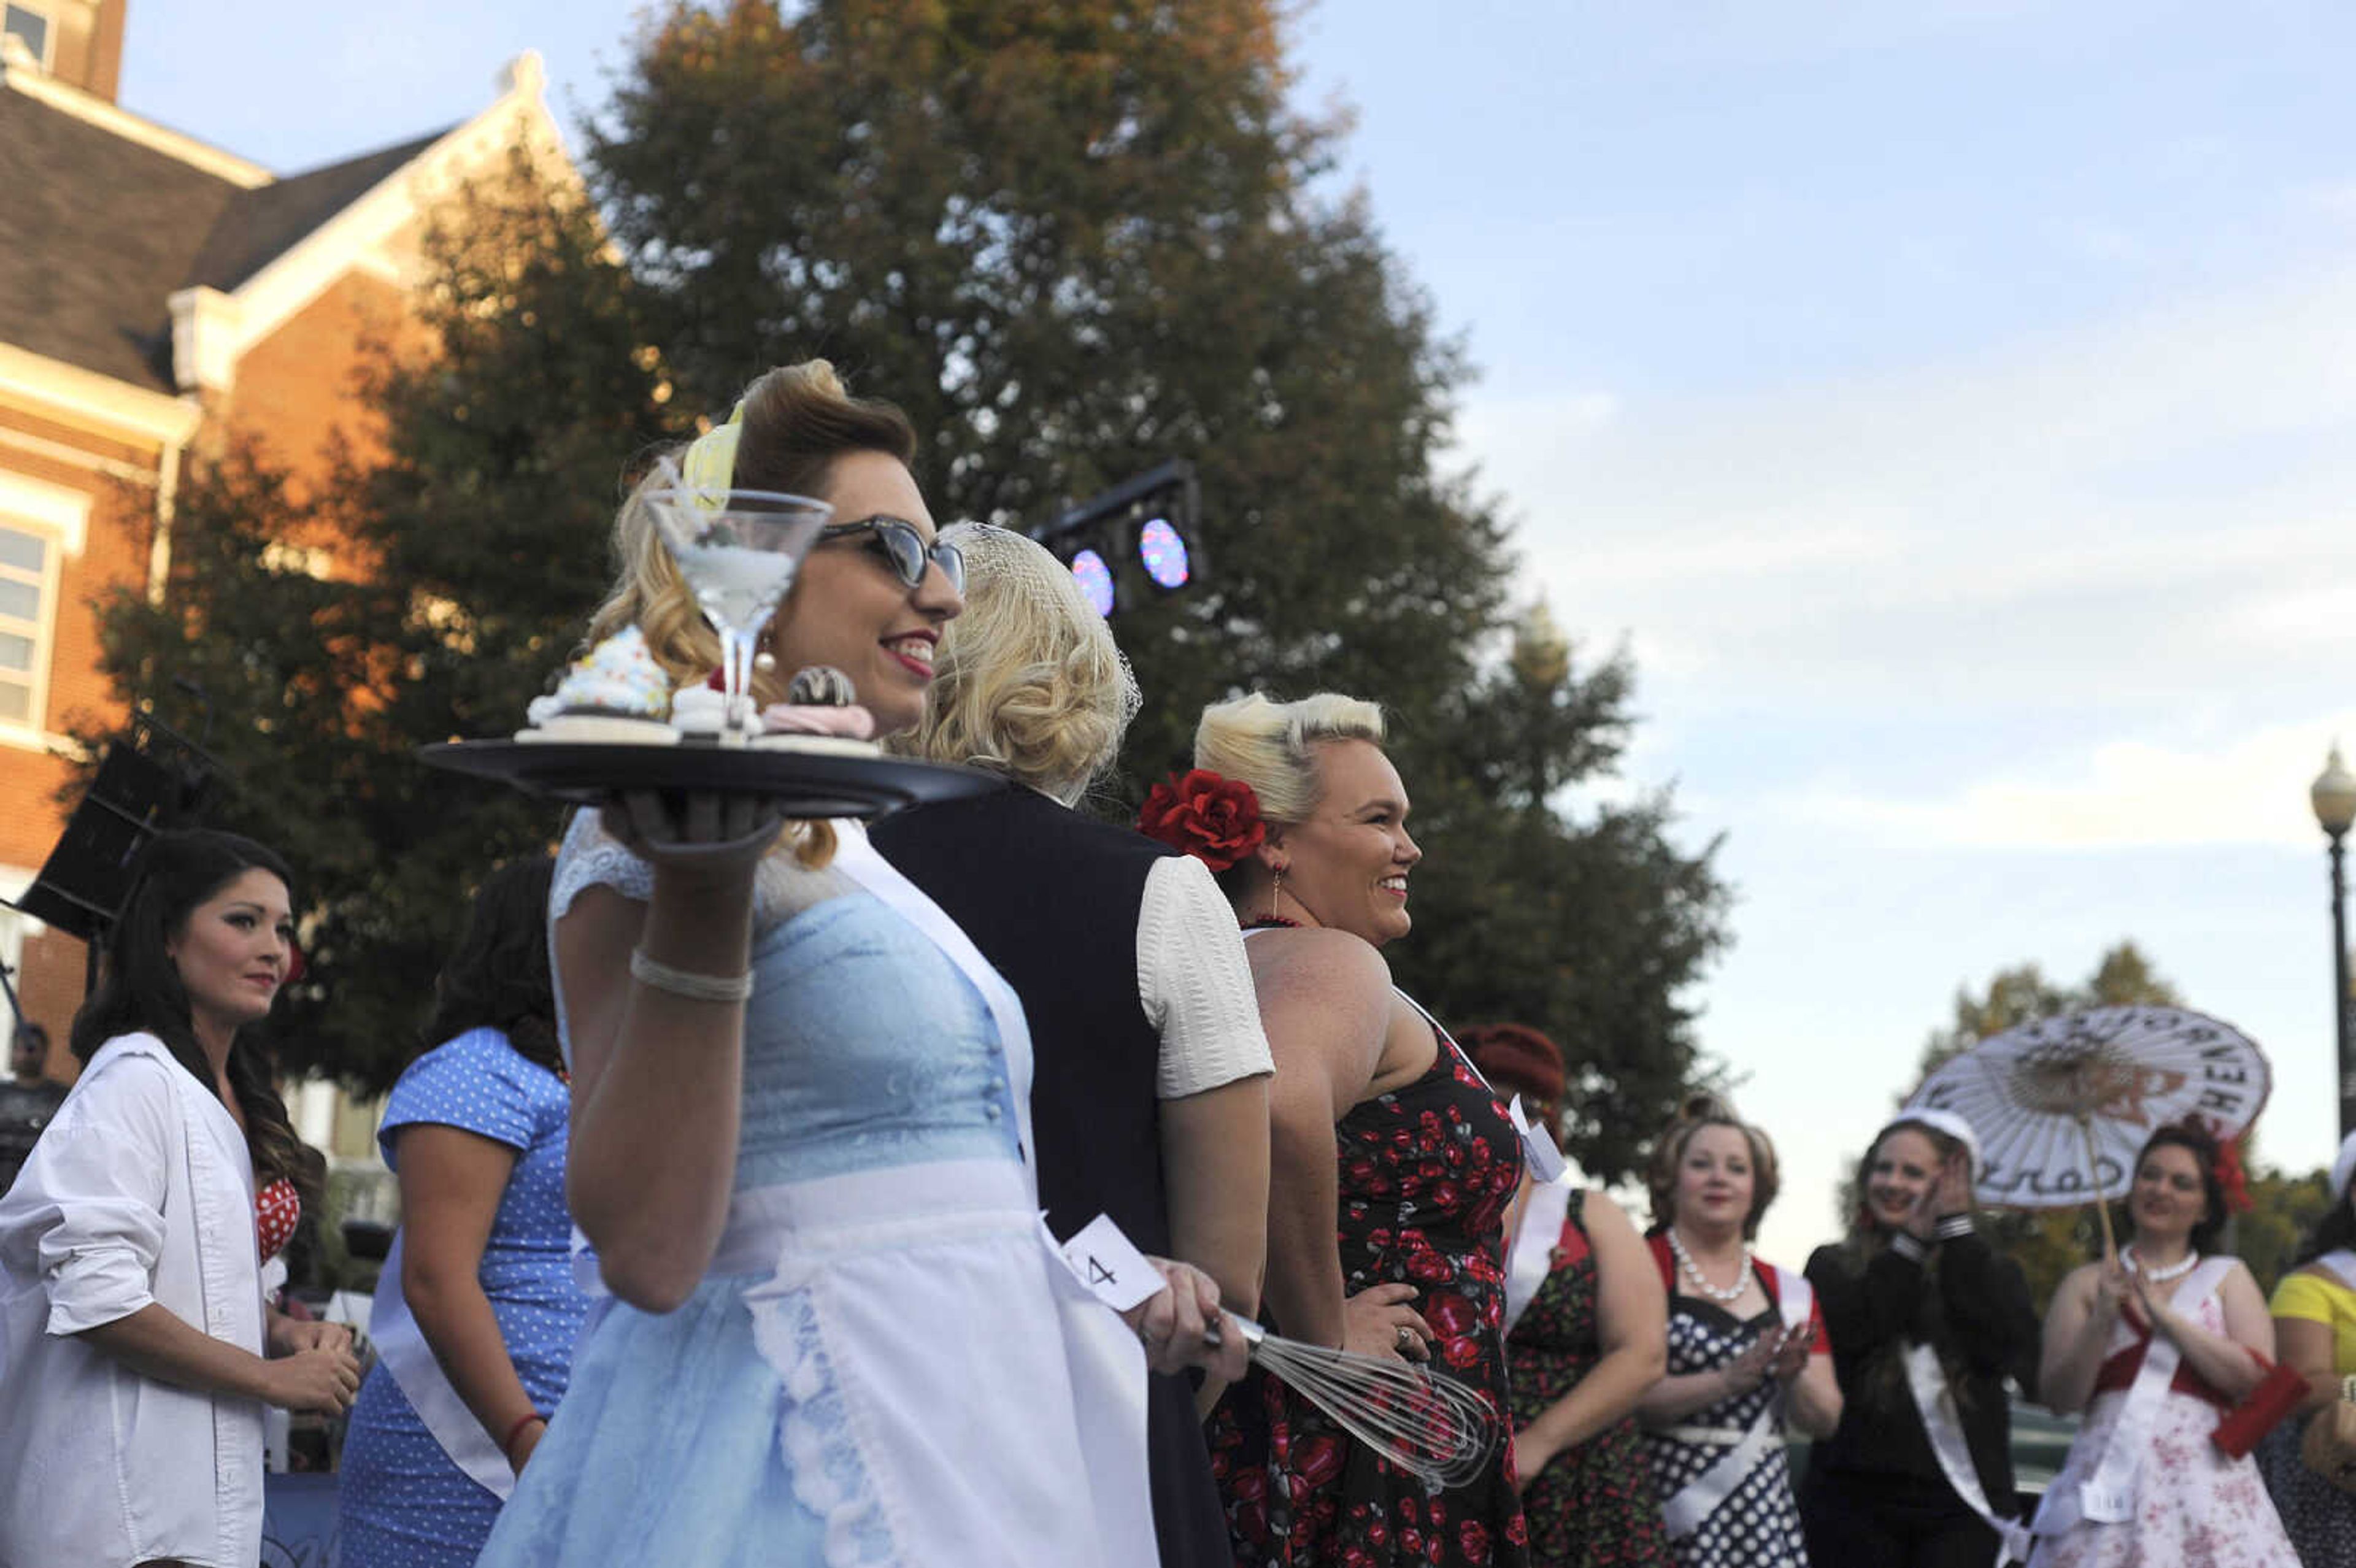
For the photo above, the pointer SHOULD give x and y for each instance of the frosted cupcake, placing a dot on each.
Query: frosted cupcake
(618, 693)
(820, 713)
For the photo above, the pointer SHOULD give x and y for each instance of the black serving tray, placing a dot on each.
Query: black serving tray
(807, 776)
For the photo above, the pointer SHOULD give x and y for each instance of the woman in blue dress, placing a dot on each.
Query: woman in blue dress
(837, 1335)
(477, 1311)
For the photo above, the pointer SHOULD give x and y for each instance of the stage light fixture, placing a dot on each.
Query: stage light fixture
(1095, 577)
(1164, 552)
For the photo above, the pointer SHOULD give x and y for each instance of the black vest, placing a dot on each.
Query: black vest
(1052, 899)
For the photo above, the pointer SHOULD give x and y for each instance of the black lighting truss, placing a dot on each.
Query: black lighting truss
(1111, 521)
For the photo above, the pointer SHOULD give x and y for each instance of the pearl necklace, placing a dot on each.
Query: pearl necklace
(2176, 1270)
(1693, 1270)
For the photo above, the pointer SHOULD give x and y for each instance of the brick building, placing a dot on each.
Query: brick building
(158, 296)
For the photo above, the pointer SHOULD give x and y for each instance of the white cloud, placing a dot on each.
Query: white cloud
(2151, 506)
(2129, 794)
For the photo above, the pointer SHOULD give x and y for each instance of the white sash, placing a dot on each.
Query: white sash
(1108, 1369)
(1943, 1424)
(2340, 1262)
(401, 1346)
(2109, 1496)
(1701, 1497)
(858, 859)
(1532, 1258)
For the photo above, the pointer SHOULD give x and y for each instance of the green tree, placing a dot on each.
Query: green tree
(436, 583)
(1077, 238)
(1074, 239)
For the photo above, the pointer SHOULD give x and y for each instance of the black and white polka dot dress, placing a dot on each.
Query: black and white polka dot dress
(1757, 1526)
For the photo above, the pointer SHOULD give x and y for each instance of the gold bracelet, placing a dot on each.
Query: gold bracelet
(693, 986)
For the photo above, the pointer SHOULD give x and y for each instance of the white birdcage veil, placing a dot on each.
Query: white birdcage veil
(1024, 600)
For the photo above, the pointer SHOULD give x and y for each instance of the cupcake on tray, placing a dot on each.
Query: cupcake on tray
(821, 707)
(615, 693)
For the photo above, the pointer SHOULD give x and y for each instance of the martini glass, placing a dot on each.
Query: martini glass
(738, 550)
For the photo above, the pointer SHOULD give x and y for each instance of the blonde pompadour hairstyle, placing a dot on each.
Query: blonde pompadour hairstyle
(1272, 746)
(798, 420)
(1028, 681)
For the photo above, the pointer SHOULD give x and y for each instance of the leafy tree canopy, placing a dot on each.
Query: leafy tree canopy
(1074, 239)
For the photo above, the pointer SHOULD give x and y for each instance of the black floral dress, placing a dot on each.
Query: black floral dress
(1592, 1505)
(1426, 1174)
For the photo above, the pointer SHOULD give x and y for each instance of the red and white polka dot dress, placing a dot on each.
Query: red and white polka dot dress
(277, 1208)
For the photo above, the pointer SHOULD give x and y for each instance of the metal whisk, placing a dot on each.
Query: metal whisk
(1429, 1424)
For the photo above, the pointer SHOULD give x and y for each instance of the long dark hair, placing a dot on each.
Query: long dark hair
(498, 977)
(140, 990)
(1883, 1383)
(2199, 1142)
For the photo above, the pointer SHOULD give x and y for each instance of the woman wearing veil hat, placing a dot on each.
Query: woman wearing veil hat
(1151, 1099)
(1927, 1322)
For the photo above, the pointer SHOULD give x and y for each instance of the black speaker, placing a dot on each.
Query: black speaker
(149, 781)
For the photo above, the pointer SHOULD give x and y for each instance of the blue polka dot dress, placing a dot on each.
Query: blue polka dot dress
(405, 1501)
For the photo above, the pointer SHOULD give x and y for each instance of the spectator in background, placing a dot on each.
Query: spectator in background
(2315, 1329)
(1927, 1320)
(1586, 1334)
(28, 1101)
(2168, 1496)
(476, 1313)
(1150, 1094)
(1747, 1356)
(135, 1351)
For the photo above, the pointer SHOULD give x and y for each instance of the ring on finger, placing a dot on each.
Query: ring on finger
(1406, 1338)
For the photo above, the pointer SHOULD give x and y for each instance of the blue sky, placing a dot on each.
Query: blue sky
(1947, 405)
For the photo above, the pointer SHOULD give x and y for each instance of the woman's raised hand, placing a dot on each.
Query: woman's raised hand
(1758, 1362)
(1791, 1357)
(703, 832)
(1952, 1193)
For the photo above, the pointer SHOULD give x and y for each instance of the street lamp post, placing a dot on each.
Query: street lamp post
(2334, 797)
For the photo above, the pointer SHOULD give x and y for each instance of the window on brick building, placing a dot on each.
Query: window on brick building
(27, 587)
(32, 25)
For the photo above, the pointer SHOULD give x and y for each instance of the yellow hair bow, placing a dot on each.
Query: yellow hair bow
(708, 466)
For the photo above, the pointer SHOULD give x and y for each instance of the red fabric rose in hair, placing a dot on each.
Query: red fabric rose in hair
(1214, 820)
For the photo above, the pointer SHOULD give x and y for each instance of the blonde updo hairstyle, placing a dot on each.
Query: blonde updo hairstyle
(798, 420)
(1701, 1111)
(1028, 682)
(1272, 746)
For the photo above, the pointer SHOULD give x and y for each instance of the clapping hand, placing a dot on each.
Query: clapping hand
(1791, 1357)
(1758, 1362)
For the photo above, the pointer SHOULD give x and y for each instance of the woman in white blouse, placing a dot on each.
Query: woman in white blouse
(135, 1349)
(1150, 1098)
